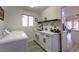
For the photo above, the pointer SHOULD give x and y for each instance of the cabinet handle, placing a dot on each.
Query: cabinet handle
(47, 36)
(44, 40)
(37, 37)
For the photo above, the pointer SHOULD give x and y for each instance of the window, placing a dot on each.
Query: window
(27, 20)
(76, 23)
(69, 24)
(24, 20)
(30, 21)
(73, 24)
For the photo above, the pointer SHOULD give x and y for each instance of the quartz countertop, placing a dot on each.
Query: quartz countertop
(48, 32)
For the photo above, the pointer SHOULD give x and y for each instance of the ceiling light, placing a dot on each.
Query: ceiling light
(32, 6)
(77, 15)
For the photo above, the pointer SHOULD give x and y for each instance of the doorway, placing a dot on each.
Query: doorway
(66, 33)
(70, 19)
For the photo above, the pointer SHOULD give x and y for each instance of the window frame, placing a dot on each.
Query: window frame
(76, 24)
(27, 20)
(73, 24)
(69, 24)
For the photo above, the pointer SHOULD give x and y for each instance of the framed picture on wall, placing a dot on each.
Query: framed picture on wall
(1, 13)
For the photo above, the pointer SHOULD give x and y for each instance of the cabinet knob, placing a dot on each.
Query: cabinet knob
(44, 40)
(47, 36)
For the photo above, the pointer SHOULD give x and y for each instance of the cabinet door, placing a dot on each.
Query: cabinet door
(55, 45)
(48, 44)
(45, 42)
(41, 40)
(37, 36)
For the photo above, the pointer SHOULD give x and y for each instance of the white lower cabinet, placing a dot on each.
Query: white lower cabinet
(37, 35)
(49, 42)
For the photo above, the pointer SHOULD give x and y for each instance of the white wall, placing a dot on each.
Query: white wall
(71, 10)
(13, 20)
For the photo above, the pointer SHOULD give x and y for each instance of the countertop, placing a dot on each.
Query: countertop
(48, 32)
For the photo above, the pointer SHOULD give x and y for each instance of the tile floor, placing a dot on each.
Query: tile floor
(72, 47)
(75, 47)
(33, 47)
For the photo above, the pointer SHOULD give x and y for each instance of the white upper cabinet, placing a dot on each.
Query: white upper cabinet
(50, 13)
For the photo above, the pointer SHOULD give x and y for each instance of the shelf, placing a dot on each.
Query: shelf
(49, 21)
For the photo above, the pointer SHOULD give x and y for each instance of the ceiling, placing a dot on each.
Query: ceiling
(71, 12)
(34, 9)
